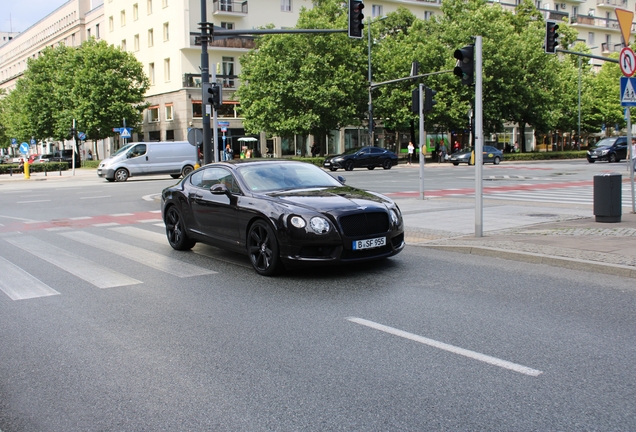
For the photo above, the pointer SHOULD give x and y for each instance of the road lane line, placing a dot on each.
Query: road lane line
(19, 285)
(142, 234)
(93, 197)
(151, 259)
(34, 201)
(450, 348)
(96, 274)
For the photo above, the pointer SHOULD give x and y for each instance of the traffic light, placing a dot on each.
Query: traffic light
(415, 103)
(551, 35)
(212, 95)
(355, 18)
(428, 99)
(465, 67)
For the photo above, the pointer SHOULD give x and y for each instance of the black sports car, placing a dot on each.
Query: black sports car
(369, 157)
(281, 214)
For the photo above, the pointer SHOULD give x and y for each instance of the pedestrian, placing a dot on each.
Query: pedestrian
(436, 155)
(442, 153)
(90, 155)
(455, 146)
(411, 149)
(313, 149)
(228, 153)
(21, 167)
(516, 146)
(633, 154)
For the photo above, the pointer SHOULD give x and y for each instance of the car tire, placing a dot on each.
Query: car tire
(110, 180)
(612, 158)
(349, 165)
(496, 160)
(175, 176)
(591, 160)
(121, 175)
(455, 163)
(187, 170)
(387, 164)
(262, 248)
(175, 231)
(371, 167)
(333, 169)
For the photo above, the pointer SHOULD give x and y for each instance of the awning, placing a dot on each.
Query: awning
(247, 139)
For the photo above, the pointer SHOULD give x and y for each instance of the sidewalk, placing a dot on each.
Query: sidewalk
(558, 236)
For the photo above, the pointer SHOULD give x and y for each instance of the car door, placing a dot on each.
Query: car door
(489, 153)
(364, 158)
(137, 159)
(215, 216)
(620, 147)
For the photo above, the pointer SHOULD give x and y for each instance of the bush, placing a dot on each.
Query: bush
(38, 167)
(90, 164)
(576, 154)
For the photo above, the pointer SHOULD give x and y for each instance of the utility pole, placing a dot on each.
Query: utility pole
(205, 78)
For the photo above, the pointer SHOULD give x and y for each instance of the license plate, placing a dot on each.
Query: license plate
(369, 243)
(593, 156)
(327, 163)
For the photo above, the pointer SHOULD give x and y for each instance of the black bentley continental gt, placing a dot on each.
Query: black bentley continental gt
(281, 214)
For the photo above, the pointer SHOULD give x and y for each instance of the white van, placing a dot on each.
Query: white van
(175, 158)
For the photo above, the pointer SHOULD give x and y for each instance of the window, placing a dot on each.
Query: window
(73, 39)
(228, 72)
(166, 69)
(151, 38)
(136, 42)
(169, 112)
(428, 15)
(138, 150)
(590, 39)
(226, 5)
(376, 11)
(285, 6)
(96, 31)
(154, 136)
(197, 109)
(153, 114)
(575, 11)
(135, 12)
(111, 23)
(538, 4)
(166, 32)
(88, 33)
(227, 25)
(123, 45)
(149, 7)
(164, 3)
(123, 18)
(170, 135)
(151, 73)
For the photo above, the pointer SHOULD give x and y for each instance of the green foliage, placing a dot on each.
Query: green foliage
(37, 167)
(577, 154)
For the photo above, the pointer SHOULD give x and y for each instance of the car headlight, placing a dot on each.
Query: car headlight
(604, 152)
(338, 159)
(395, 218)
(319, 225)
(297, 222)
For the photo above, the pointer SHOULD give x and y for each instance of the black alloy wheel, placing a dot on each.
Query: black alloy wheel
(349, 165)
(387, 164)
(262, 248)
(612, 158)
(370, 167)
(175, 231)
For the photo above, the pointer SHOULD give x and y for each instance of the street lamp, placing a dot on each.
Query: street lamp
(370, 77)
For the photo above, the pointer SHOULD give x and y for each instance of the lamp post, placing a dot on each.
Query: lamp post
(370, 77)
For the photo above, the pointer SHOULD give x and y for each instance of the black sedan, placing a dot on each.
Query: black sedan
(612, 149)
(281, 214)
(369, 157)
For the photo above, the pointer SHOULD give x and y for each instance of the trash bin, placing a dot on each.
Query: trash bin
(607, 197)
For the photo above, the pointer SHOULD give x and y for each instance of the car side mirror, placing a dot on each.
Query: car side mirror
(219, 189)
(341, 179)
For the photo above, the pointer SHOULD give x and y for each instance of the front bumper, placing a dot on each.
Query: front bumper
(106, 173)
(333, 164)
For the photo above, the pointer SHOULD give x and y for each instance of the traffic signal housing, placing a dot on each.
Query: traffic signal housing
(465, 68)
(355, 19)
(429, 102)
(415, 100)
(551, 37)
(212, 94)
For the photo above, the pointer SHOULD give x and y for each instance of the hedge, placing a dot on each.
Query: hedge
(37, 167)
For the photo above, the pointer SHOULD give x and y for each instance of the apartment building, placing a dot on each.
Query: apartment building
(162, 34)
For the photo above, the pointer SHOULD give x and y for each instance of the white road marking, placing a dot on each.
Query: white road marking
(19, 285)
(122, 214)
(17, 218)
(80, 218)
(34, 201)
(162, 225)
(154, 211)
(96, 274)
(450, 348)
(142, 256)
(142, 234)
(150, 220)
(93, 197)
(107, 224)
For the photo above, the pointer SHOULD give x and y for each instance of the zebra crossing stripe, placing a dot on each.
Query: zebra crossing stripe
(93, 273)
(19, 285)
(142, 256)
(142, 234)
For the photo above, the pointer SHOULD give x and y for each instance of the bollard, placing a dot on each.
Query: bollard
(60, 171)
(10, 171)
(44, 170)
(27, 173)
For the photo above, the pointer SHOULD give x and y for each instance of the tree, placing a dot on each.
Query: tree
(305, 83)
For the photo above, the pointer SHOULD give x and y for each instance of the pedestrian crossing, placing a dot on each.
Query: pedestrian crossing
(574, 195)
(34, 264)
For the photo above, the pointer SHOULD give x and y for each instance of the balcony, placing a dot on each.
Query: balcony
(554, 15)
(229, 8)
(611, 48)
(611, 3)
(592, 21)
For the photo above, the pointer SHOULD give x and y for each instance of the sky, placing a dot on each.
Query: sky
(19, 15)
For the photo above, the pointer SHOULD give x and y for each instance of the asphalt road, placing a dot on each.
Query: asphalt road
(427, 340)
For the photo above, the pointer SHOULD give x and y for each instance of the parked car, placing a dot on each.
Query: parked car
(612, 149)
(490, 154)
(369, 157)
(66, 156)
(33, 157)
(42, 158)
(281, 214)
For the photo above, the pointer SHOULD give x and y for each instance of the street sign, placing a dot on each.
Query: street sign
(14, 142)
(195, 136)
(81, 136)
(625, 19)
(33, 141)
(627, 61)
(628, 94)
(125, 133)
(223, 123)
(24, 148)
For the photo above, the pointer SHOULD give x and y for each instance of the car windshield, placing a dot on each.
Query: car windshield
(123, 149)
(285, 176)
(352, 151)
(605, 142)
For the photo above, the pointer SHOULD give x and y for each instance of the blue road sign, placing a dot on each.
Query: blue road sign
(81, 135)
(33, 141)
(24, 148)
(628, 91)
(14, 141)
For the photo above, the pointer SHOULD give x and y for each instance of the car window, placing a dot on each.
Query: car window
(375, 150)
(138, 150)
(206, 178)
(605, 142)
(365, 150)
(285, 176)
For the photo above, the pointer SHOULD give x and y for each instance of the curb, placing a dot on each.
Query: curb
(534, 258)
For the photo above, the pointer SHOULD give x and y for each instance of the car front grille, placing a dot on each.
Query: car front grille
(363, 224)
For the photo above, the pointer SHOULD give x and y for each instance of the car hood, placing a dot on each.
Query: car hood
(332, 199)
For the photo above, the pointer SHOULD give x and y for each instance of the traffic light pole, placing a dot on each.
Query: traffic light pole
(205, 79)
(479, 140)
(422, 143)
